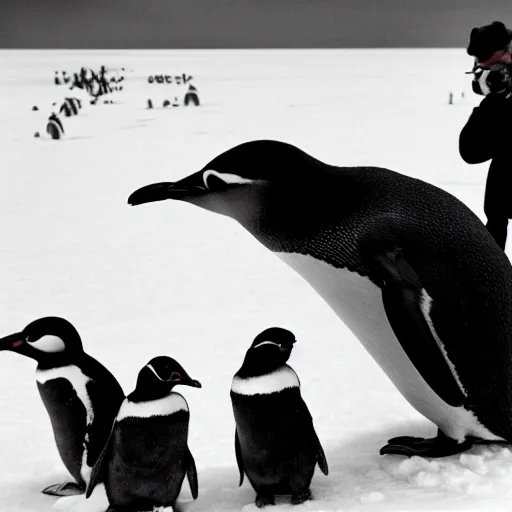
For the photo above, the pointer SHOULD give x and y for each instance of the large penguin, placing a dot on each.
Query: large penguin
(407, 266)
(80, 395)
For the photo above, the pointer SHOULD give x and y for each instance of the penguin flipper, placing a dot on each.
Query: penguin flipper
(321, 459)
(239, 458)
(192, 476)
(99, 468)
(404, 297)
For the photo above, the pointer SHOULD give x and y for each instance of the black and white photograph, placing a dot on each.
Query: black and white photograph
(255, 254)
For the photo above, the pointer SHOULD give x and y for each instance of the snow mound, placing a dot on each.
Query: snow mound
(372, 497)
(478, 472)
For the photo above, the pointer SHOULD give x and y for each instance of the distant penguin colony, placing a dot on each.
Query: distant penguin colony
(406, 266)
(275, 442)
(191, 96)
(95, 84)
(150, 432)
(81, 396)
(101, 84)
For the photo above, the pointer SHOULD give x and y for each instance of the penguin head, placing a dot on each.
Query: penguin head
(45, 339)
(252, 180)
(159, 376)
(270, 350)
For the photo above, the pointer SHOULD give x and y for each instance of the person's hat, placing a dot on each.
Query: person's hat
(485, 40)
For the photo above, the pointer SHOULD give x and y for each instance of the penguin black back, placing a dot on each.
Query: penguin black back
(275, 442)
(81, 396)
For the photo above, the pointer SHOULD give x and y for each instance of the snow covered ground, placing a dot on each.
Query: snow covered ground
(174, 279)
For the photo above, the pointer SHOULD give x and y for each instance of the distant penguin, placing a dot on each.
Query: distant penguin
(276, 444)
(54, 127)
(65, 109)
(69, 107)
(146, 458)
(76, 105)
(410, 269)
(191, 96)
(81, 396)
(77, 82)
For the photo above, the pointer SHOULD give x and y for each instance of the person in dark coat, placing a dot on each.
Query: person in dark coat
(487, 134)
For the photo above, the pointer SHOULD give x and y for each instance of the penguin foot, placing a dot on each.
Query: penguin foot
(440, 446)
(300, 497)
(65, 489)
(262, 500)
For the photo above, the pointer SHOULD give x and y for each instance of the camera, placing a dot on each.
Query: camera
(496, 80)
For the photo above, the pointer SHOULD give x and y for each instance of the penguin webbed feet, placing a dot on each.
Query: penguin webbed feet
(439, 446)
(64, 489)
(264, 499)
(301, 497)
(297, 498)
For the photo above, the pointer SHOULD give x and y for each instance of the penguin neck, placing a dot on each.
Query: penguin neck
(313, 200)
(149, 388)
(251, 368)
(46, 361)
(148, 394)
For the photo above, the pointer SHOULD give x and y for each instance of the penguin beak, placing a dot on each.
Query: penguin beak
(287, 348)
(193, 383)
(12, 341)
(191, 186)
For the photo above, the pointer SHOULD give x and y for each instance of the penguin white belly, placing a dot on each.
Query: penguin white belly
(358, 302)
(78, 380)
(267, 384)
(165, 406)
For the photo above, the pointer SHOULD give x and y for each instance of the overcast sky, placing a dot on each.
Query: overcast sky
(244, 23)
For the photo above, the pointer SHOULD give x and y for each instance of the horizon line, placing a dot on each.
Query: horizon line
(263, 48)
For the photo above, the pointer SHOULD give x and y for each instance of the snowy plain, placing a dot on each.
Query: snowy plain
(169, 278)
